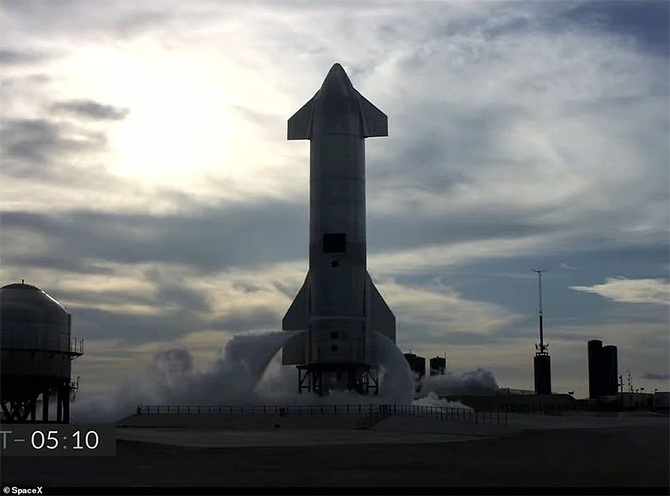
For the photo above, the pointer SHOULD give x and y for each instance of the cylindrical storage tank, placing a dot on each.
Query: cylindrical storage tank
(421, 366)
(610, 370)
(595, 347)
(542, 368)
(35, 348)
(438, 365)
(416, 363)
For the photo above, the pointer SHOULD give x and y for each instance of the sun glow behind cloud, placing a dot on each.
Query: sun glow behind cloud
(178, 125)
(186, 128)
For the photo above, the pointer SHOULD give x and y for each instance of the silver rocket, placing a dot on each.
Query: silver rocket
(338, 304)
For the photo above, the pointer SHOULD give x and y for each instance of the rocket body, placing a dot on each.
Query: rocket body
(338, 304)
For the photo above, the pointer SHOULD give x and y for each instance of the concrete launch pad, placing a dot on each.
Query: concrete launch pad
(237, 430)
(535, 451)
(303, 437)
(320, 430)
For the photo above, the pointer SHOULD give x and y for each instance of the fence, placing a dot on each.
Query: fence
(536, 408)
(434, 412)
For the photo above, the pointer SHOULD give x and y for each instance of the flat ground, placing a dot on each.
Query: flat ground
(614, 452)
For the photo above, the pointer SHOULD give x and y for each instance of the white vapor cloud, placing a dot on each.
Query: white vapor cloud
(248, 372)
(479, 381)
(654, 291)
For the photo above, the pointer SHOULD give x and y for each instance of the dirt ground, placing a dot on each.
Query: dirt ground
(632, 456)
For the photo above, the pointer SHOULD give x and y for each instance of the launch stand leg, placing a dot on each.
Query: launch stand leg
(18, 411)
(308, 380)
(357, 378)
(371, 382)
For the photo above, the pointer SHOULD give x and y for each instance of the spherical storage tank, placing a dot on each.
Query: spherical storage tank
(37, 350)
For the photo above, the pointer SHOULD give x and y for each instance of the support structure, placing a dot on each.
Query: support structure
(22, 407)
(319, 378)
(20, 394)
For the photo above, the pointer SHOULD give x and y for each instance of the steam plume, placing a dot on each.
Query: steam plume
(479, 381)
(248, 372)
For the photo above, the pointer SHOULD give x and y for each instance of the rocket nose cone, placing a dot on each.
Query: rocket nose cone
(336, 80)
(336, 67)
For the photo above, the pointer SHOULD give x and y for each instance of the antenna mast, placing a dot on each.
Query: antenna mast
(542, 347)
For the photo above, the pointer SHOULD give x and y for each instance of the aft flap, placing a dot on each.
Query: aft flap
(380, 315)
(297, 316)
(300, 125)
(375, 122)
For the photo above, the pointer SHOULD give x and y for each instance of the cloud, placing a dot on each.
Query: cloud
(567, 266)
(479, 381)
(440, 316)
(90, 109)
(38, 147)
(20, 57)
(432, 399)
(620, 289)
(656, 377)
(88, 21)
(209, 239)
(247, 372)
(645, 22)
(264, 231)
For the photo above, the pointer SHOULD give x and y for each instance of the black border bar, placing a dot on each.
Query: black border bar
(422, 490)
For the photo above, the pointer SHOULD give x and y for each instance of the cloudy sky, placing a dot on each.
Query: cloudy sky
(147, 182)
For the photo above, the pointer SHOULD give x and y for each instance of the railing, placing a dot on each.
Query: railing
(434, 412)
(446, 413)
(369, 420)
(42, 340)
(77, 347)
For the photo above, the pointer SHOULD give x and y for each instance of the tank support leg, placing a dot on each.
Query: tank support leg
(45, 405)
